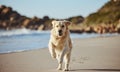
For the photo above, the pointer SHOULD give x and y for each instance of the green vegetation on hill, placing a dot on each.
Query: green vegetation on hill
(76, 19)
(108, 14)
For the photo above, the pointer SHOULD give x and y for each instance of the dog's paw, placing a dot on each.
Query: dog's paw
(66, 69)
(53, 56)
(59, 68)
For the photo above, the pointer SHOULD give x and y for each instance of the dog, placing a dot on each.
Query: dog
(60, 44)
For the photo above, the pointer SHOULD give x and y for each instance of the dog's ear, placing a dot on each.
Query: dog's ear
(53, 23)
(67, 23)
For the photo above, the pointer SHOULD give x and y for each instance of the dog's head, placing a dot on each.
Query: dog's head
(60, 27)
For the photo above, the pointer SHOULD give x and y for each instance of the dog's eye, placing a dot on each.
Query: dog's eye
(62, 26)
(57, 26)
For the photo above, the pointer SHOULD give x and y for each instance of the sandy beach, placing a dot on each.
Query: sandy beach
(100, 54)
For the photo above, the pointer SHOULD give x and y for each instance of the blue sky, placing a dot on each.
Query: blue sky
(54, 8)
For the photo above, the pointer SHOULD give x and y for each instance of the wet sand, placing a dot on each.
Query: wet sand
(100, 54)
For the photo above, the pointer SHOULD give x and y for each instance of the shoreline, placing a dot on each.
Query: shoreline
(97, 54)
(12, 47)
(46, 47)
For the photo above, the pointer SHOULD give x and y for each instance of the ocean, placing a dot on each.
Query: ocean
(18, 40)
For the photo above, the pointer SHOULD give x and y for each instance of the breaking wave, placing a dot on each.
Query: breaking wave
(22, 31)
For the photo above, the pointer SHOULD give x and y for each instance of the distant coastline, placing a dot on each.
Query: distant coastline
(105, 20)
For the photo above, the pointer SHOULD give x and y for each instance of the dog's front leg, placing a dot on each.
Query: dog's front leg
(60, 59)
(67, 60)
(52, 50)
(67, 57)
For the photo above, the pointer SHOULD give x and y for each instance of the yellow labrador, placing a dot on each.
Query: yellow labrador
(60, 45)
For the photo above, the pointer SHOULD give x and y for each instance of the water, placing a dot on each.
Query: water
(23, 39)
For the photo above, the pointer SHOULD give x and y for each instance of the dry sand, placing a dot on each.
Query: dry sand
(101, 54)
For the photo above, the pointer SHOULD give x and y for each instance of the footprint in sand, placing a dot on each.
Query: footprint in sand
(81, 59)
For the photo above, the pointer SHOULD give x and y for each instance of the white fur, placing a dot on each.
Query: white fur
(60, 46)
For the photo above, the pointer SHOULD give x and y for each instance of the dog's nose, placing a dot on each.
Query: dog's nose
(60, 31)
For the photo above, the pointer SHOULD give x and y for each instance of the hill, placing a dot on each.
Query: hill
(107, 14)
(10, 19)
(105, 20)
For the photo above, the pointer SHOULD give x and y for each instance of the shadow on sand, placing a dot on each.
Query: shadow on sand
(95, 70)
